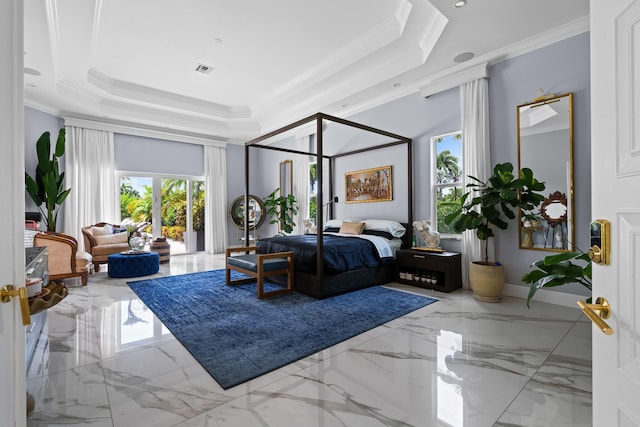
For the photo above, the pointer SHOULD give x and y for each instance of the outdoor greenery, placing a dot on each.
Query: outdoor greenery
(174, 205)
(558, 270)
(47, 186)
(448, 171)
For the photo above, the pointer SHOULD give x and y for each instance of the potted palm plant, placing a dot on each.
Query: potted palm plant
(48, 185)
(492, 204)
(282, 210)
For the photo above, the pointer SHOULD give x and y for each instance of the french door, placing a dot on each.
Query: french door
(174, 206)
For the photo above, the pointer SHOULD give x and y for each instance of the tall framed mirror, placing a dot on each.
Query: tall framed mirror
(286, 177)
(545, 145)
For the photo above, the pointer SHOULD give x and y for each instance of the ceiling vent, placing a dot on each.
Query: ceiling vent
(203, 69)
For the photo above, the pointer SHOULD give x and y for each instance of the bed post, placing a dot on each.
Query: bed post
(319, 199)
(246, 195)
(410, 189)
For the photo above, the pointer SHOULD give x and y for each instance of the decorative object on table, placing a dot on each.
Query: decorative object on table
(431, 238)
(282, 210)
(558, 270)
(489, 204)
(34, 286)
(237, 337)
(309, 226)
(134, 239)
(137, 243)
(369, 185)
(47, 186)
(51, 295)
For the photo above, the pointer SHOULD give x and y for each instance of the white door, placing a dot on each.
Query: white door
(12, 371)
(615, 183)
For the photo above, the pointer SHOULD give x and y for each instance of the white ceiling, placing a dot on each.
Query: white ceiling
(272, 62)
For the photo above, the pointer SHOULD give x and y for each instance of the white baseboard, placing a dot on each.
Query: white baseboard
(543, 295)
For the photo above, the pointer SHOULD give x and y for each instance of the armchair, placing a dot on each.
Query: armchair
(64, 259)
(100, 241)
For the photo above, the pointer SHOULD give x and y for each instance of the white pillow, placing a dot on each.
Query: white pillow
(392, 227)
(108, 239)
(336, 223)
(101, 231)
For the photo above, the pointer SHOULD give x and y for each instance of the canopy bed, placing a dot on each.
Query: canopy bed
(317, 273)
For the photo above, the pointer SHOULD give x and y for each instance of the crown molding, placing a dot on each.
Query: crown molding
(458, 78)
(144, 131)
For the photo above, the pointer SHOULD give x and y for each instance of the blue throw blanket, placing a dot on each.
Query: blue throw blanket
(340, 253)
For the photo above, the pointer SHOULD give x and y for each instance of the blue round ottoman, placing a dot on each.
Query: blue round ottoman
(133, 264)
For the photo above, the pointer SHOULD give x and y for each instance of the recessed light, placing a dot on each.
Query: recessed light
(32, 72)
(463, 57)
(345, 105)
(396, 85)
(460, 3)
(217, 40)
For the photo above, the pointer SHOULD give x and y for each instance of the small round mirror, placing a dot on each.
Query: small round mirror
(256, 212)
(554, 209)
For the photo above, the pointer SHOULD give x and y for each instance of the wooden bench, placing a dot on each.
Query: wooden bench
(258, 266)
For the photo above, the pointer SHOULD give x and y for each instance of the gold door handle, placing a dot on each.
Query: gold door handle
(8, 292)
(596, 312)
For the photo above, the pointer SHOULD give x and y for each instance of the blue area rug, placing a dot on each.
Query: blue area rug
(237, 337)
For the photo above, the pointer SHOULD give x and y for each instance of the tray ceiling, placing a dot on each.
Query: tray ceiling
(263, 64)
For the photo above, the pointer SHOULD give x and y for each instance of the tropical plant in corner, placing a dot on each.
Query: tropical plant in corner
(47, 187)
(282, 210)
(493, 201)
(491, 204)
(558, 270)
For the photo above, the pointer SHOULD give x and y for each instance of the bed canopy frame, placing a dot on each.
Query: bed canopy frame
(321, 145)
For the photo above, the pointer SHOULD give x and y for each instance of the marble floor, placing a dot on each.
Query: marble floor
(105, 360)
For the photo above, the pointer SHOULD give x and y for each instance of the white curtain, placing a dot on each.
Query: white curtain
(474, 101)
(89, 172)
(215, 199)
(301, 183)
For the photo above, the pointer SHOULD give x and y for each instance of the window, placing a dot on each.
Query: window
(313, 189)
(446, 176)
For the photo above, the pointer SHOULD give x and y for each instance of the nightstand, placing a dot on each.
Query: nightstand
(440, 271)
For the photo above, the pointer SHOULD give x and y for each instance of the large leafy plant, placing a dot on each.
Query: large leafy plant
(494, 202)
(281, 209)
(48, 186)
(558, 270)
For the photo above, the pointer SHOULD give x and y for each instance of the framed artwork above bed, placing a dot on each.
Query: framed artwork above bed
(369, 185)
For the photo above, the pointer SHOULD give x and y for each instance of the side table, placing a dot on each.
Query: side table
(440, 271)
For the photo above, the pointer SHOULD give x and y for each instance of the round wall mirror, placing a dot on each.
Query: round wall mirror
(256, 212)
(554, 209)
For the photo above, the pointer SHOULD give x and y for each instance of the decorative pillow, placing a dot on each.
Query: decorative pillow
(108, 239)
(392, 227)
(351, 227)
(101, 231)
(336, 223)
